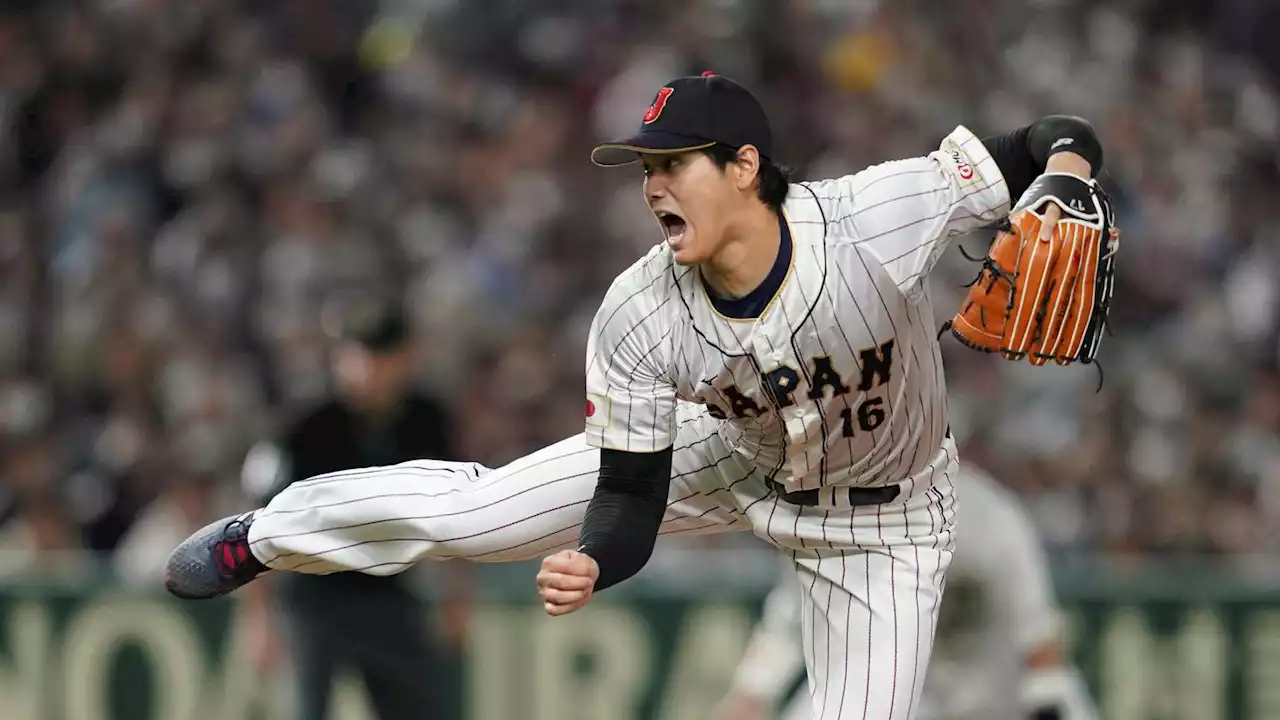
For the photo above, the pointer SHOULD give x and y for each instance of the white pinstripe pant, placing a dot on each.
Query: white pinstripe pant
(872, 577)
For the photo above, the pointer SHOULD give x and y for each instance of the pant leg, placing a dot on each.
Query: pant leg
(382, 520)
(401, 669)
(385, 640)
(871, 616)
(314, 662)
(872, 579)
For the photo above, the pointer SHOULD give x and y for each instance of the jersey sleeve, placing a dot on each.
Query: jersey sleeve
(904, 212)
(631, 397)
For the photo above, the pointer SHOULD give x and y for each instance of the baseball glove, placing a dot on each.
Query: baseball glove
(1045, 299)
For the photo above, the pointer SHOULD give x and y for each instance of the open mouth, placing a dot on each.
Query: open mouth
(673, 225)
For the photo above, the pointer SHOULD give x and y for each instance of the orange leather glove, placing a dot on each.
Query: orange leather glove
(1045, 288)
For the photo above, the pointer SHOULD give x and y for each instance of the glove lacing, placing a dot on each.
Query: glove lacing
(988, 265)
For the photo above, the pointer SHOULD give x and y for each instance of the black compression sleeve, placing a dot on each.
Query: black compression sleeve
(623, 516)
(1023, 153)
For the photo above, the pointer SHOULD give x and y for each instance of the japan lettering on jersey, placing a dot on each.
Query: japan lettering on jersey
(839, 380)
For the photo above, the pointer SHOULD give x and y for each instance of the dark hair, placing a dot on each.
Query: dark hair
(377, 324)
(774, 180)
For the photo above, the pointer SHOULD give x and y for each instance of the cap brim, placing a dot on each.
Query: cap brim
(625, 152)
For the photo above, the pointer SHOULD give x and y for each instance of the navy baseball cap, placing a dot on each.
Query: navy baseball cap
(692, 113)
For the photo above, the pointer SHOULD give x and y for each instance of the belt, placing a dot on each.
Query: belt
(858, 496)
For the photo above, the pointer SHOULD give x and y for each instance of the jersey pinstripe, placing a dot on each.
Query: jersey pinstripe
(999, 607)
(839, 381)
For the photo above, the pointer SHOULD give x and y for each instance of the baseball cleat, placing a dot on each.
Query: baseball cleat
(214, 561)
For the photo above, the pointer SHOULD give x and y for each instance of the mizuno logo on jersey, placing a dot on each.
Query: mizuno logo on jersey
(963, 168)
(782, 383)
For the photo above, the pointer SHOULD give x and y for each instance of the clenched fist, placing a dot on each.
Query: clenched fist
(566, 580)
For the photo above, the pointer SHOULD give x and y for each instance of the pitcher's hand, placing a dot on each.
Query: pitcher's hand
(566, 581)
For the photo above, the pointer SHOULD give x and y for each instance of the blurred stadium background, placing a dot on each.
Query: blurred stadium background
(186, 185)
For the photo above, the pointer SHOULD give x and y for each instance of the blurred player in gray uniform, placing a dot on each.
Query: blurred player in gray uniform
(997, 653)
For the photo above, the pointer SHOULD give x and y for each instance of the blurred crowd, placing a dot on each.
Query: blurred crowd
(189, 187)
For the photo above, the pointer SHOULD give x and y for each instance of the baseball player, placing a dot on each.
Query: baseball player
(997, 655)
(792, 320)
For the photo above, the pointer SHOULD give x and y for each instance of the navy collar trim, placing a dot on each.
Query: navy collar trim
(753, 304)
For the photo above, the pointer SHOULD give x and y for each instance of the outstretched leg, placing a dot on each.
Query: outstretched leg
(382, 520)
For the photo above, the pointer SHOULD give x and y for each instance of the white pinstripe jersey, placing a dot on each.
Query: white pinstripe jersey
(839, 380)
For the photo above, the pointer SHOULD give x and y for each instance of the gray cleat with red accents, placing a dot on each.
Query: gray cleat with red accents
(213, 561)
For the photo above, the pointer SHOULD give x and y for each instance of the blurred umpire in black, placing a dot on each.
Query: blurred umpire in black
(373, 626)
